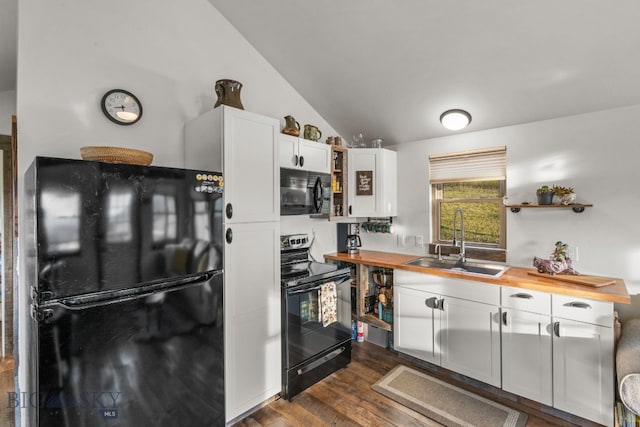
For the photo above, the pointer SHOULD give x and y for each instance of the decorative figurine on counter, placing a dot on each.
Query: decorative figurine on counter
(559, 263)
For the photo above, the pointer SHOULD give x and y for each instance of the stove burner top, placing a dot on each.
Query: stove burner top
(307, 272)
(295, 266)
(306, 269)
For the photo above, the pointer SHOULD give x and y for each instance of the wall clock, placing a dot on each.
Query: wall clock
(121, 107)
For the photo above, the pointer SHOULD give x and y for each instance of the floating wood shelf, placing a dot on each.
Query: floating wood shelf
(576, 207)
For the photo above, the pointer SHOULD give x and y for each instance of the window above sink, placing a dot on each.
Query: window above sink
(474, 182)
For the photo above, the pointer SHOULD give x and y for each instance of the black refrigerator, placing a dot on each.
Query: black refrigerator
(124, 265)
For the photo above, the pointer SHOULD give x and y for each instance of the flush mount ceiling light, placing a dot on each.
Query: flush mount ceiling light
(455, 119)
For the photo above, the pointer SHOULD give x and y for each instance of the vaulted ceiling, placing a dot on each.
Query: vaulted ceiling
(388, 69)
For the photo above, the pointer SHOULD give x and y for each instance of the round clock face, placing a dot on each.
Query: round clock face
(121, 107)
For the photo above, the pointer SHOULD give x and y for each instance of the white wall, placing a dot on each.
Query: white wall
(7, 109)
(596, 153)
(170, 54)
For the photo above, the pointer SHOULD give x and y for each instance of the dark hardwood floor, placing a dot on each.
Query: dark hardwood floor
(345, 398)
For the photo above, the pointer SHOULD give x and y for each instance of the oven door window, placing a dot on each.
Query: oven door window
(306, 335)
(309, 310)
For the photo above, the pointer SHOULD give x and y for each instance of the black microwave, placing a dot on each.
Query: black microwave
(304, 192)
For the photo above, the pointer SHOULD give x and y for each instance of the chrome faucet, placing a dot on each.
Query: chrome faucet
(438, 250)
(455, 215)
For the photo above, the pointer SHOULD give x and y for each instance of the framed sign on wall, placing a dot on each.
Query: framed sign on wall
(364, 183)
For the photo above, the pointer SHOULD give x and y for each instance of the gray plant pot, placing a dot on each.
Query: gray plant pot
(545, 198)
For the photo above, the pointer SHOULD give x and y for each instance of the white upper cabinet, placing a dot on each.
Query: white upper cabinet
(244, 147)
(372, 183)
(303, 154)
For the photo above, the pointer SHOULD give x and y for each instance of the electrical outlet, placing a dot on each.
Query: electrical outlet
(419, 241)
(400, 238)
(577, 254)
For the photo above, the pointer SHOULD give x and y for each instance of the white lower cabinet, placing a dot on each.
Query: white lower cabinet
(526, 355)
(416, 322)
(470, 339)
(445, 328)
(253, 349)
(526, 344)
(583, 356)
(554, 349)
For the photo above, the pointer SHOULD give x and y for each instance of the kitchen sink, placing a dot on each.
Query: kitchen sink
(473, 268)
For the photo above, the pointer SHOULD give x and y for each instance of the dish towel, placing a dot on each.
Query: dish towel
(328, 298)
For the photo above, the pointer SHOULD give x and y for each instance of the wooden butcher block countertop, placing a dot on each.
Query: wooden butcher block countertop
(517, 277)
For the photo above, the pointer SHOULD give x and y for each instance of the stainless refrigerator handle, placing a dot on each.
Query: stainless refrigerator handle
(115, 297)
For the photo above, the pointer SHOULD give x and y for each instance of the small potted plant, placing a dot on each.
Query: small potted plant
(565, 194)
(558, 263)
(545, 195)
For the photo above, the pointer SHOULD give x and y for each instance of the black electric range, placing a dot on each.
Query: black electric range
(316, 316)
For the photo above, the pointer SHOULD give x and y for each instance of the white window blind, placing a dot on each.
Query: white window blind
(476, 165)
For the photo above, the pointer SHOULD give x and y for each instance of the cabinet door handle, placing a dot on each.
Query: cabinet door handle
(441, 304)
(504, 318)
(301, 161)
(556, 329)
(431, 302)
(522, 295)
(295, 160)
(229, 235)
(578, 304)
(229, 210)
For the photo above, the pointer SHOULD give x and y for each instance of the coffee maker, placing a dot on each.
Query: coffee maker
(349, 238)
